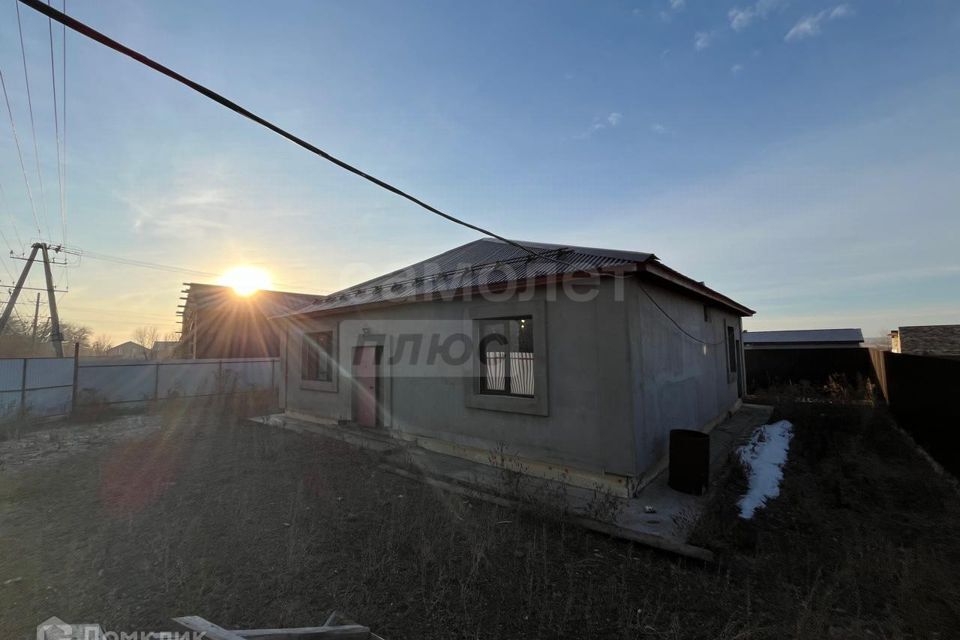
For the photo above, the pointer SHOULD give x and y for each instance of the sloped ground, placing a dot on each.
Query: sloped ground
(196, 513)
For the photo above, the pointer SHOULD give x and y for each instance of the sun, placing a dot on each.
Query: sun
(246, 280)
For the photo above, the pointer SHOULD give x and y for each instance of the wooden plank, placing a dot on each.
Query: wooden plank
(342, 632)
(648, 539)
(210, 630)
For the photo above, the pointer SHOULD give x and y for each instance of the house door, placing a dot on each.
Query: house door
(740, 376)
(366, 385)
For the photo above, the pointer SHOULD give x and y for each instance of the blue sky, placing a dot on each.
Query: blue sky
(801, 157)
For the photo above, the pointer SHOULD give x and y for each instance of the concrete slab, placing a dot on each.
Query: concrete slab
(666, 527)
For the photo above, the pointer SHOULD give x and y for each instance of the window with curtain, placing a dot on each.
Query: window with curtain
(507, 356)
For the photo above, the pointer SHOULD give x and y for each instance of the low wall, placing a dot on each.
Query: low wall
(920, 393)
(48, 387)
(769, 367)
(40, 387)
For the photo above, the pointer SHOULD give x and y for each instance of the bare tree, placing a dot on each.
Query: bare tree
(146, 336)
(100, 345)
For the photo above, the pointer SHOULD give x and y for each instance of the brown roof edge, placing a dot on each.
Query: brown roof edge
(665, 273)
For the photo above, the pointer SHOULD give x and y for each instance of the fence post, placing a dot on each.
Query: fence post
(156, 382)
(76, 376)
(220, 377)
(23, 388)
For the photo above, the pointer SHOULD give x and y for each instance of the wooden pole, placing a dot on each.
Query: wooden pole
(36, 313)
(76, 375)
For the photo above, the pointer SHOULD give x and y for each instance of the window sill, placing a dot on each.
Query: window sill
(319, 385)
(536, 406)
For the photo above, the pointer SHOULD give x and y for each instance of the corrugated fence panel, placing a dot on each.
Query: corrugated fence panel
(246, 376)
(9, 404)
(11, 374)
(49, 402)
(49, 381)
(49, 372)
(197, 378)
(117, 383)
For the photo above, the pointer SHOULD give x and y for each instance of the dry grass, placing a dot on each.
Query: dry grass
(255, 527)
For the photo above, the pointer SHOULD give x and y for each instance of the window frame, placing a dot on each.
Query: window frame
(731, 343)
(329, 384)
(475, 374)
(512, 346)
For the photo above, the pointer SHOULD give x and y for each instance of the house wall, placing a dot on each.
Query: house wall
(619, 374)
(588, 422)
(678, 383)
(932, 340)
(233, 329)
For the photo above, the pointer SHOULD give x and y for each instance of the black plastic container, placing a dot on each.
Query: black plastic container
(689, 461)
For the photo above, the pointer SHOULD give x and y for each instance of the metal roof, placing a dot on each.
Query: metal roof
(801, 336)
(489, 263)
(270, 303)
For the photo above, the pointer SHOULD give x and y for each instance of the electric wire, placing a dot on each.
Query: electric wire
(13, 223)
(33, 128)
(56, 130)
(97, 36)
(16, 139)
(93, 34)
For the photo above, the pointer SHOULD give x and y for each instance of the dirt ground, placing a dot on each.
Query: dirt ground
(192, 511)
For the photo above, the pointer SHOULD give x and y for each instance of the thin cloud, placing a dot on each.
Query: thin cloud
(812, 25)
(736, 69)
(702, 40)
(742, 17)
(613, 119)
(659, 129)
(674, 6)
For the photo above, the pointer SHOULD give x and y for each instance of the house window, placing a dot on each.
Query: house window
(731, 349)
(317, 356)
(507, 356)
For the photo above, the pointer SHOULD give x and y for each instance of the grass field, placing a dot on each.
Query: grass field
(189, 510)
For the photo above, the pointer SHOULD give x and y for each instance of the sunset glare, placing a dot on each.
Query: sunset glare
(246, 280)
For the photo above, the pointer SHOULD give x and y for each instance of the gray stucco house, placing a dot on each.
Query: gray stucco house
(575, 360)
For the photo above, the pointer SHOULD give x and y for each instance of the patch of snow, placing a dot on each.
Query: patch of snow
(764, 457)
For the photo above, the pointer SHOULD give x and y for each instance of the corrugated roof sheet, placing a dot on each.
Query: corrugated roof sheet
(801, 336)
(270, 303)
(485, 262)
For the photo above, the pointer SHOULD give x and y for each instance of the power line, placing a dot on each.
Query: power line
(82, 253)
(63, 93)
(95, 35)
(56, 130)
(137, 263)
(13, 223)
(33, 128)
(23, 168)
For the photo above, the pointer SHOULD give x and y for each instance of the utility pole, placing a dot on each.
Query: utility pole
(16, 290)
(36, 312)
(55, 336)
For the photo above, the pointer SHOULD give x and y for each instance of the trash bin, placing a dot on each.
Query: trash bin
(689, 461)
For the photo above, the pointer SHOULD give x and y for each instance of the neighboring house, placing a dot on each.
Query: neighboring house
(128, 349)
(219, 323)
(163, 349)
(930, 340)
(803, 339)
(486, 349)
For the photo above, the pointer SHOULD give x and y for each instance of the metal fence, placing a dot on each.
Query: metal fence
(47, 387)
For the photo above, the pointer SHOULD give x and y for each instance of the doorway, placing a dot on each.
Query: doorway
(366, 385)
